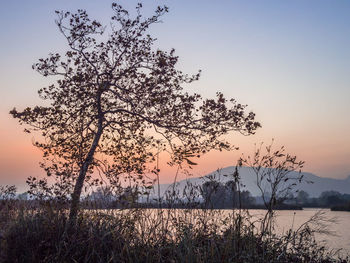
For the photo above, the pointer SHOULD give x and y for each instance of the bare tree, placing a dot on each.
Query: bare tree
(114, 95)
(274, 178)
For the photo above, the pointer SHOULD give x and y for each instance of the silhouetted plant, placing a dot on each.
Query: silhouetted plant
(272, 170)
(8, 192)
(113, 88)
(154, 235)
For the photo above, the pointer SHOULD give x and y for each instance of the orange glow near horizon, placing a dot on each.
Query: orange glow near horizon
(20, 159)
(271, 56)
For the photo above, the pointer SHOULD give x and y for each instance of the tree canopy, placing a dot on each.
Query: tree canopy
(114, 97)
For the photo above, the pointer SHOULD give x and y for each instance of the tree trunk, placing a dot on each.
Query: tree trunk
(82, 174)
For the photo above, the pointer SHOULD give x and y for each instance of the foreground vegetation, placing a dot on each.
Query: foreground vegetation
(42, 234)
(40, 230)
(111, 95)
(345, 207)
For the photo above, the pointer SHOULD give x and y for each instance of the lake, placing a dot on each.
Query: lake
(340, 239)
(335, 223)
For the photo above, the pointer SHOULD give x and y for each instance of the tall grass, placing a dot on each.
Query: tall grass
(150, 235)
(38, 231)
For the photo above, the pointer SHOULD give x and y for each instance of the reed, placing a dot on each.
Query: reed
(41, 234)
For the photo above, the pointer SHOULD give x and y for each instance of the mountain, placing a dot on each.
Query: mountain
(248, 179)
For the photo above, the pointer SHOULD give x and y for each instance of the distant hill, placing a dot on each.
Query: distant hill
(248, 179)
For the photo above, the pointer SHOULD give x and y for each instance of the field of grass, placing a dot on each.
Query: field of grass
(41, 234)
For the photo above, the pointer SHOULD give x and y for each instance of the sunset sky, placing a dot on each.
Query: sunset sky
(288, 60)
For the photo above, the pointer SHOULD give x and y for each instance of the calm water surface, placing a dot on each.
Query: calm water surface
(336, 222)
(340, 237)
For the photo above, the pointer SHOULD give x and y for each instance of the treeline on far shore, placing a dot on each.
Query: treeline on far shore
(210, 195)
(328, 199)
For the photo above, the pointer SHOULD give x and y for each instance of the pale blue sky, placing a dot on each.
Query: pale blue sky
(288, 60)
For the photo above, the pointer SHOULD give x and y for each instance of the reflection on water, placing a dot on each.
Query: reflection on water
(336, 222)
(341, 228)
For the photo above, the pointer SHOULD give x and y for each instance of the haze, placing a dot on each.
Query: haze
(288, 60)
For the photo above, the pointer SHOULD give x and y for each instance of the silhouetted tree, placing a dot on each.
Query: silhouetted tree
(303, 197)
(7, 192)
(218, 195)
(246, 198)
(114, 93)
(272, 170)
(129, 197)
(102, 197)
(330, 198)
(213, 193)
